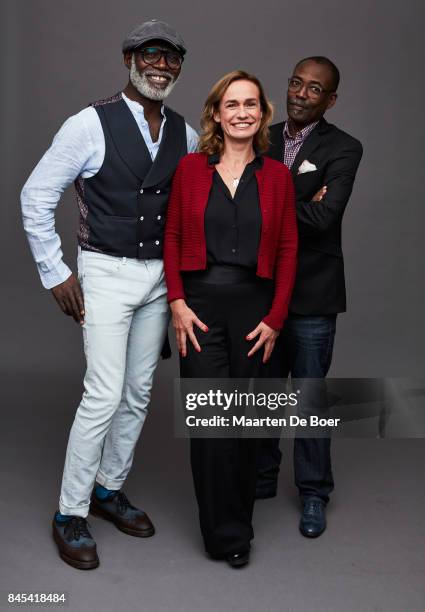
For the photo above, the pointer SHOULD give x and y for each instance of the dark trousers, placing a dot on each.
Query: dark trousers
(304, 350)
(224, 469)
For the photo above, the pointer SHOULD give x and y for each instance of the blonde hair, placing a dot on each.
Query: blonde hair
(212, 140)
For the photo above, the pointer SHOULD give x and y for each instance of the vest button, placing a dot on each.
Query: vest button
(158, 191)
(141, 218)
(141, 191)
(140, 244)
(158, 217)
(157, 242)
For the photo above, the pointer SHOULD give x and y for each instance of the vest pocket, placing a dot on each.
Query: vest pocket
(115, 234)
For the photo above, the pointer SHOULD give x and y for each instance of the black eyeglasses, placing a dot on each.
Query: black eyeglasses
(152, 55)
(314, 90)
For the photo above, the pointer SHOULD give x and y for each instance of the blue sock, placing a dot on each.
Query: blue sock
(102, 493)
(62, 518)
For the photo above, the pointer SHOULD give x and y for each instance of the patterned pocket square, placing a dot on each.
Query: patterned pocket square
(306, 166)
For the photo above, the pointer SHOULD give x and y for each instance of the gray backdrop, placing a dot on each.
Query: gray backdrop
(59, 56)
(56, 57)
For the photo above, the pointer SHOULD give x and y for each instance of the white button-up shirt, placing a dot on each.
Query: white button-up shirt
(78, 149)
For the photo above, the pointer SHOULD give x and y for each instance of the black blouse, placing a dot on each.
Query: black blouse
(233, 225)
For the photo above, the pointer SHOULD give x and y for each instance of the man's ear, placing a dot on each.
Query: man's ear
(332, 100)
(127, 58)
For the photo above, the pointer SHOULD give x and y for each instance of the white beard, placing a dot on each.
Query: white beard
(143, 86)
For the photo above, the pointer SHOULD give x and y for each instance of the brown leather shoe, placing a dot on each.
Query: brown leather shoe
(75, 543)
(126, 517)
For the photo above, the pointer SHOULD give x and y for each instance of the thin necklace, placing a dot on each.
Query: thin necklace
(236, 179)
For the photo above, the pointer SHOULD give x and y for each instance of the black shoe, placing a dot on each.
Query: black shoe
(313, 518)
(238, 559)
(75, 543)
(124, 515)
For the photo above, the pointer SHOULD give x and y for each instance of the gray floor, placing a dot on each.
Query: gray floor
(370, 558)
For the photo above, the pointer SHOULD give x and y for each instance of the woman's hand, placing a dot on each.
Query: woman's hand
(183, 320)
(267, 337)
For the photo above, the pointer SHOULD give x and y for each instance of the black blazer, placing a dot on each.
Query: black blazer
(320, 284)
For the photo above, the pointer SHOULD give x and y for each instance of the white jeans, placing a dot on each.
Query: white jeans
(126, 319)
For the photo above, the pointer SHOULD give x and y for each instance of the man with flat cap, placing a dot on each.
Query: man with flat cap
(121, 153)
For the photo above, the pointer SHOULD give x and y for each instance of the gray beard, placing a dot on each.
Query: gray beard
(143, 86)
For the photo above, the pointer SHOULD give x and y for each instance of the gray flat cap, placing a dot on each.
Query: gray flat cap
(150, 30)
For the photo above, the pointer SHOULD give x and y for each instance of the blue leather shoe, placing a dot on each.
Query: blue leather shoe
(313, 518)
(75, 543)
(118, 510)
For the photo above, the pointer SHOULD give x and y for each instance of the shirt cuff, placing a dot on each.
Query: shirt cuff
(55, 277)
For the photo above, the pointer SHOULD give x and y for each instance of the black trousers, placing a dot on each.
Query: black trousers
(224, 469)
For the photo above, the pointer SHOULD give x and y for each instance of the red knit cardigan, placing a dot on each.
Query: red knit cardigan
(185, 245)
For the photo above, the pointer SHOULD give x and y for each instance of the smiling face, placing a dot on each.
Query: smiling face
(239, 111)
(314, 96)
(153, 81)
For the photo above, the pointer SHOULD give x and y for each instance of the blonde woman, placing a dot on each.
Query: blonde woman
(230, 256)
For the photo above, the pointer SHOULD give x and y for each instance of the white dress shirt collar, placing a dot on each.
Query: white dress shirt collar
(136, 107)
